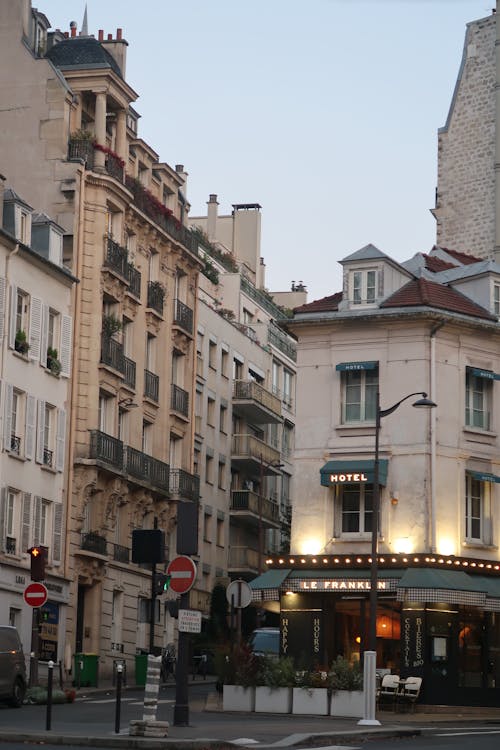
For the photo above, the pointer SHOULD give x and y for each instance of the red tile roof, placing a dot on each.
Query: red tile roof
(429, 293)
(465, 258)
(435, 264)
(326, 304)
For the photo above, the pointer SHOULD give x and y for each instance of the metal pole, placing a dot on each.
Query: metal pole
(50, 674)
(261, 530)
(153, 601)
(372, 631)
(181, 708)
(119, 670)
(33, 679)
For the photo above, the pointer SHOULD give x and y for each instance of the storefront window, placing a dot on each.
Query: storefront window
(494, 650)
(470, 646)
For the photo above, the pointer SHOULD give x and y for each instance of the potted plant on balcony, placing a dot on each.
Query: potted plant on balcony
(275, 680)
(21, 344)
(346, 682)
(110, 325)
(53, 363)
(311, 695)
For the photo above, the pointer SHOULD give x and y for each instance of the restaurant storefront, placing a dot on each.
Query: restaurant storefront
(437, 618)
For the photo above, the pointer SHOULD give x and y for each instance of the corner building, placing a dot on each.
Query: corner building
(426, 325)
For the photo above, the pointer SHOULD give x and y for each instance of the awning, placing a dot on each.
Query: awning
(484, 476)
(267, 585)
(347, 366)
(479, 373)
(352, 472)
(452, 586)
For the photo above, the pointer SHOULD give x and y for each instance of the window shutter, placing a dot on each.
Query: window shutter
(65, 345)
(7, 415)
(57, 532)
(381, 282)
(44, 335)
(12, 319)
(60, 439)
(40, 437)
(2, 307)
(29, 434)
(35, 328)
(26, 523)
(38, 520)
(3, 502)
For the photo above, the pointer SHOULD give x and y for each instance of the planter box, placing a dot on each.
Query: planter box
(237, 698)
(347, 703)
(312, 701)
(273, 700)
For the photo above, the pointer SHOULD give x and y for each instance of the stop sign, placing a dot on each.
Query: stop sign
(35, 594)
(182, 572)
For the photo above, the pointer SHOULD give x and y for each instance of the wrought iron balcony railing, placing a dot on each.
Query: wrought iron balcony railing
(129, 372)
(15, 444)
(116, 258)
(121, 553)
(94, 542)
(48, 457)
(10, 545)
(180, 400)
(156, 296)
(134, 280)
(107, 449)
(146, 468)
(151, 385)
(114, 166)
(112, 353)
(183, 316)
(185, 484)
(82, 148)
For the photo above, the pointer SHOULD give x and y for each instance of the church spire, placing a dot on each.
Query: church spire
(85, 26)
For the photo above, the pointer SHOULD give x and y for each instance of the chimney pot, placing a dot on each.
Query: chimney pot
(119, 33)
(66, 34)
(72, 26)
(179, 167)
(110, 37)
(101, 35)
(212, 198)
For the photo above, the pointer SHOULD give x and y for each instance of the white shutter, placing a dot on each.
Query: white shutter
(40, 433)
(65, 345)
(26, 537)
(57, 532)
(60, 439)
(12, 319)
(7, 416)
(35, 328)
(29, 433)
(44, 335)
(3, 287)
(3, 510)
(38, 520)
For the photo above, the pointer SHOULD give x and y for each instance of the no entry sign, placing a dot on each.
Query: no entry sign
(182, 572)
(35, 594)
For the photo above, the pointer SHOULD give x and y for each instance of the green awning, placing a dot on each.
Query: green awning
(352, 472)
(432, 578)
(479, 373)
(484, 476)
(347, 366)
(271, 579)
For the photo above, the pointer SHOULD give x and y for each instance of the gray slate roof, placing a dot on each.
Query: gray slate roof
(82, 52)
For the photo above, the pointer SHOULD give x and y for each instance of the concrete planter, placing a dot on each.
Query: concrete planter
(273, 700)
(348, 703)
(312, 701)
(237, 698)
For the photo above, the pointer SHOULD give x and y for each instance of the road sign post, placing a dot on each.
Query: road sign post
(182, 572)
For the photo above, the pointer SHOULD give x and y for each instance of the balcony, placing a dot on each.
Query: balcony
(243, 560)
(10, 545)
(183, 316)
(134, 280)
(121, 553)
(129, 372)
(248, 453)
(81, 148)
(281, 341)
(156, 296)
(15, 444)
(94, 542)
(48, 457)
(184, 484)
(179, 400)
(116, 258)
(255, 403)
(151, 471)
(114, 166)
(151, 385)
(107, 450)
(112, 354)
(249, 505)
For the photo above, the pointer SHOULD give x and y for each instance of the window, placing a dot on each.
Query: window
(496, 298)
(224, 359)
(220, 532)
(247, 317)
(477, 400)
(357, 508)
(209, 469)
(359, 395)
(477, 510)
(15, 437)
(237, 369)
(222, 419)
(207, 526)
(276, 378)
(221, 475)
(211, 411)
(48, 435)
(212, 354)
(287, 387)
(147, 437)
(11, 512)
(20, 311)
(363, 289)
(104, 413)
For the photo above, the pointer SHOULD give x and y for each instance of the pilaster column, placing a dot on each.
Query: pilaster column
(100, 128)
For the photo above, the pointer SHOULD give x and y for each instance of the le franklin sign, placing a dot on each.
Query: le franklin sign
(339, 584)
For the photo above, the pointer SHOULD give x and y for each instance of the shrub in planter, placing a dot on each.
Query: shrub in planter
(21, 344)
(53, 363)
(345, 676)
(275, 677)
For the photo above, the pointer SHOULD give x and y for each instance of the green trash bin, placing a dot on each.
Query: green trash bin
(141, 668)
(86, 668)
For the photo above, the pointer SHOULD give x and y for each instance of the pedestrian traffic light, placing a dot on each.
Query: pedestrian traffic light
(162, 582)
(38, 559)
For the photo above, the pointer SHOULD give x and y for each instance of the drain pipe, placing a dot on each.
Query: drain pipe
(432, 511)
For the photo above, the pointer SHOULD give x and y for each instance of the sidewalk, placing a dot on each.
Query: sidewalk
(210, 727)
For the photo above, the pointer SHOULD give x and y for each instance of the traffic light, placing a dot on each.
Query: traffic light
(162, 582)
(172, 607)
(38, 559)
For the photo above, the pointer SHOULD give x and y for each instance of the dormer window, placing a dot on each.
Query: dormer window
(363, 287)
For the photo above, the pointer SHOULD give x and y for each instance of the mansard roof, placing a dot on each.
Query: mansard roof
(82, 52)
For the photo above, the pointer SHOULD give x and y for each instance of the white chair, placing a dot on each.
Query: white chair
(388, 689)
(410, 691)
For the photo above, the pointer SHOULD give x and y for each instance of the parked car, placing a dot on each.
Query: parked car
(265, 642)
(12, 667)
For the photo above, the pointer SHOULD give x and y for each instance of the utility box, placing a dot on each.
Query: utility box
(141, 668)
(86, 670)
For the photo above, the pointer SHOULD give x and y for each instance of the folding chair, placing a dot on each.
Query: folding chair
(408, 696)
(388, 689)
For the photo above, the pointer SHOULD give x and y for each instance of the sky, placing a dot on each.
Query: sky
(325, 112)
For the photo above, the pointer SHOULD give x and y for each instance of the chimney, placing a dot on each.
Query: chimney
(117, 48)
(119, 33)
(72, 26)
(100, 35)
(212, 217)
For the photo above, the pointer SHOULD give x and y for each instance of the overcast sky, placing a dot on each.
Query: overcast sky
(323, 111)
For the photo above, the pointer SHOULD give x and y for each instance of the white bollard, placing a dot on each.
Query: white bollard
(370, 689)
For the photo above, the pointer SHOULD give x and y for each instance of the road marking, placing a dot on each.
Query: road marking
(106, 700)
(244, 741)
(461, 734)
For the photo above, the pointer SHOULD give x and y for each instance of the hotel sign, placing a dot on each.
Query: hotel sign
(348, 478)
(339, 584)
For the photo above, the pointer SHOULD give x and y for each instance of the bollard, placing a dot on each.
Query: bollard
(119, 670)
(370, 689)
(50, 675)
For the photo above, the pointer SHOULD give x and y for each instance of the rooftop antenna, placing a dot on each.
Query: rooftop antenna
(85, 26)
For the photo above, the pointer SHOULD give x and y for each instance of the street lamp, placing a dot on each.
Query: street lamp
(421, 403)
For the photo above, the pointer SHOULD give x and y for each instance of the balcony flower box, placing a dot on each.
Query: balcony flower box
(273, 700)
(238, 698)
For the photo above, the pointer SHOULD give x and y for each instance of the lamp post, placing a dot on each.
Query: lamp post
(422, 402)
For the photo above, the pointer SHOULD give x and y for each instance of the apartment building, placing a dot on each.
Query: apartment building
(74, 150)
(245, 399)
(36, 327)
